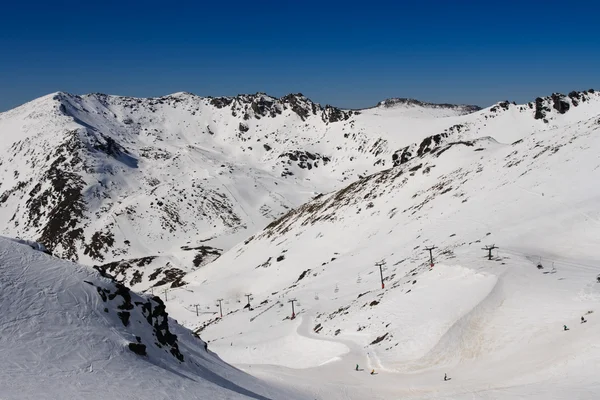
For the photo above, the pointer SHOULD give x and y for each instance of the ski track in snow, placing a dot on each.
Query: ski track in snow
(390, 383)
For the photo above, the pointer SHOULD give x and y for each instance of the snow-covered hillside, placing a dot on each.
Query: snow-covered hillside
(154, 188)
(151, 189)
(68, 333)
(517, 177)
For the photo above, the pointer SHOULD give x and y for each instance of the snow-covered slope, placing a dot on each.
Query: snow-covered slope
(154, 188)
(520, 177)
(68, 333)
(151, 189)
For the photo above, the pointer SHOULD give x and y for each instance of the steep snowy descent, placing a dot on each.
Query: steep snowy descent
(68, 333)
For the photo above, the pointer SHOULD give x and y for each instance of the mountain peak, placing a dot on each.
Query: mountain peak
(181, 94)
(402, 101)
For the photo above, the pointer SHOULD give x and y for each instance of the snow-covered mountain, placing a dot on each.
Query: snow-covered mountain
(517, 178)
(151, 189)
(68, 333)
(420, 107)
(283, 199)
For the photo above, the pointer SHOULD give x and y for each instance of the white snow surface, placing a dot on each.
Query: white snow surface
(154, 188)
(101, 179)
(58, 342)
(520, 177)
(494, 326)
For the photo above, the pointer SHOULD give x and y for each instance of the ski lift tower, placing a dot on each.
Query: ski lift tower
(430, 250)
(220, 306)
(249, 296)
(293, 312)
(381, 264)
(489, 250)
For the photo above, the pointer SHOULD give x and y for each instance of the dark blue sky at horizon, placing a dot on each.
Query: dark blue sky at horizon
(347, 54)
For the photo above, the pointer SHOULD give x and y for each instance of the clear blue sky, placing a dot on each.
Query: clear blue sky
(349, 54)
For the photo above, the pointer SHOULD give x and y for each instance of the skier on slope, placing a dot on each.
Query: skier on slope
(445, 377)
(565, 328)
(357, 367)
(373, 372)
(583, 320)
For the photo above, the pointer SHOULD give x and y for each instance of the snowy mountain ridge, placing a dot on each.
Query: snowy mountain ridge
(398, 101)
(151, 189)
